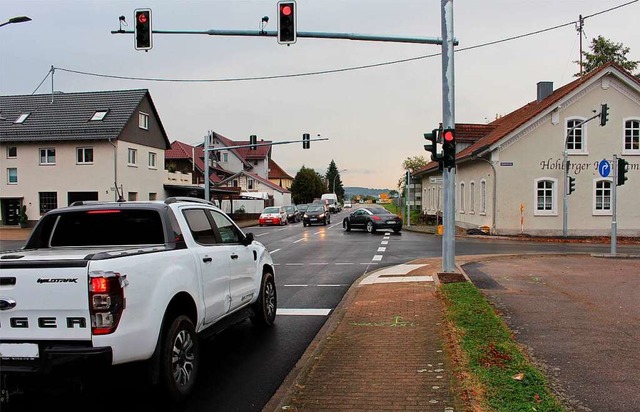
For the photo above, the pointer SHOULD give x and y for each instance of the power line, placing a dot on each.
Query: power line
(344, 69)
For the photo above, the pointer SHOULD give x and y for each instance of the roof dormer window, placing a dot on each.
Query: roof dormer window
(98, 115)
(22, 118)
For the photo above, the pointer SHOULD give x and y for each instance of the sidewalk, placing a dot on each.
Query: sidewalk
(383, 348)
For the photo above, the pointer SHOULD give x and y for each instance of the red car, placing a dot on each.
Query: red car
(274, 215)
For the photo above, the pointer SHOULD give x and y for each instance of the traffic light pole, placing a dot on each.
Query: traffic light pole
(614, 202)
(448, 122)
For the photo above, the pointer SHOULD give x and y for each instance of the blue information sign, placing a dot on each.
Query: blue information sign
(604, 168)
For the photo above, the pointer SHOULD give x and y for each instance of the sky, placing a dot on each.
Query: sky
(374, 118)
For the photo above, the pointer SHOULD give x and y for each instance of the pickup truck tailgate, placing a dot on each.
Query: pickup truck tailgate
(44, 299)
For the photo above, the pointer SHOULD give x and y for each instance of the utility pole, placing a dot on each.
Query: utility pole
(448, 122)
(580, 28)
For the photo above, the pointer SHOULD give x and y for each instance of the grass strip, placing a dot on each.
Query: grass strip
(501, 373)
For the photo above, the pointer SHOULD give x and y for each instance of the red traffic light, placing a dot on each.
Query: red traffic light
(142, 18)
(285, 9)
(448, 136)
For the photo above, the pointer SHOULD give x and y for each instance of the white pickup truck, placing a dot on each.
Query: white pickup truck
(100, 284)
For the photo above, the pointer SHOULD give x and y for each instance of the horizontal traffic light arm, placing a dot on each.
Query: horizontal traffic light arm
(215, 149)
(308, 34)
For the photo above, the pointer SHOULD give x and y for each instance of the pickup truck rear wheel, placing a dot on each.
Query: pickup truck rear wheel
(180, 358)
(267, 303)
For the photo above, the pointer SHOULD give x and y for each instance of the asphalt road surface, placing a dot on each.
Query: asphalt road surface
(243, 368)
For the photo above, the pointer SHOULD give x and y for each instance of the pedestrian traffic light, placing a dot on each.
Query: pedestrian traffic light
(449, 148)
(253, 139)
(434, 146)
(306, 141)
(143, 40)
(287, 30)
(622, 171)
(571, 186)
(604, 114)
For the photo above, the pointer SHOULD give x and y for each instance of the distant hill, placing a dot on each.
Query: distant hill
(349, 192)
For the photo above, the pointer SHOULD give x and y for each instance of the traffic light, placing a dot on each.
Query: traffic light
(306, 141)
(143, 40)
(287, 30)
(449, 148)
(622, 171)
(253, 139)
(434, 146)
(604, 114)
(571, 187)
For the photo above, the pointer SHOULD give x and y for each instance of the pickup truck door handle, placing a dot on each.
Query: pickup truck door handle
(207, 260)
(234, 256)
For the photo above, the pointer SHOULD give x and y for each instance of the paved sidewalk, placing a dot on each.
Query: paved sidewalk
(383, 348)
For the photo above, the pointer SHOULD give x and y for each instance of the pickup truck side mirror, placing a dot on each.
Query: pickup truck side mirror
(248, 239)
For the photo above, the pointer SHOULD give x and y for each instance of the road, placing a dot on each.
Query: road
(242, 368)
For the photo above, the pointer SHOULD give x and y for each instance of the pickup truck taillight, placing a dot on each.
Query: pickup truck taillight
(106, 300)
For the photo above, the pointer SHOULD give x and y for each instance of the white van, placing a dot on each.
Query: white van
(334, 206)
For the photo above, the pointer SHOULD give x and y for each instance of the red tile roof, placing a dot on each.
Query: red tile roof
(276, 172)
(502, 127)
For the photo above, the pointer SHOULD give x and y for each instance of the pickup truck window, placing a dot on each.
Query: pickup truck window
(200, 226)
(106, 227)
(229, 233)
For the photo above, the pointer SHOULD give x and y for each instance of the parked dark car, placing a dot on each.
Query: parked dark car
(293, 215)
(371, 219)
(317, 214)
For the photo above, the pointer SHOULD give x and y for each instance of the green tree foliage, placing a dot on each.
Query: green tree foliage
(333, 173)
(411, 164)
(604, 51)
(306, 186)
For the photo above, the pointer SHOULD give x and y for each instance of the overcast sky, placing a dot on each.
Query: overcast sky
(374, 118)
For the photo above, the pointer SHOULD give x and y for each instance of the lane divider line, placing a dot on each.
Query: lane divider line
(302, 312)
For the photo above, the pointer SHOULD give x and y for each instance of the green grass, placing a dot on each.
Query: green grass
(493, 357)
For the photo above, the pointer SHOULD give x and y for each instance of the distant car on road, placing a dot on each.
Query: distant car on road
(316, 213)
(302, 208)
(372, 218)
(347, 205)
(293, 215)
(273, 215)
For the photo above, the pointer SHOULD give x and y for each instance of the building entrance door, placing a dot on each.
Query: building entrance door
(11, 211)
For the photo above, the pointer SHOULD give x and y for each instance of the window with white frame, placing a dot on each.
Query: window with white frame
(602, 197)
(12, 175)
(143, 120)
(632, 136)
(483, 196)
(22, 118)
(98, 116)
(472, 197)
(576, 138)
(12, 152)
(84, 155)
(47, 156)
(132, 158)
(545, 197)
(152, 160)
(462, 205)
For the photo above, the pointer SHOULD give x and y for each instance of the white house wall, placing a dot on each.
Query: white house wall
(141, 178)
(538, 155)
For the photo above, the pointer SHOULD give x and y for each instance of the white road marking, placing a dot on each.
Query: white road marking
(294, 264)
(299, 240)
(318, 263)
(261, 234)
(368, 263)
(329, 285)
(344, 263)
(274, 251)
(394, 274)
(296, 286)
(377, 258)
(384, 242)
(303, 312)
(382, 249)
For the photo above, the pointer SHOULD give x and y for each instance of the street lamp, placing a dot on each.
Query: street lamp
(334, 179)
(19, 19)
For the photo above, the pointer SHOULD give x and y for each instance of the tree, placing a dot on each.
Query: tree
(411, 164)
(306, 186)
(334, 175)
(604, 51)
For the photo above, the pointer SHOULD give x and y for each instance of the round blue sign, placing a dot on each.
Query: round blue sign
(604, 168)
